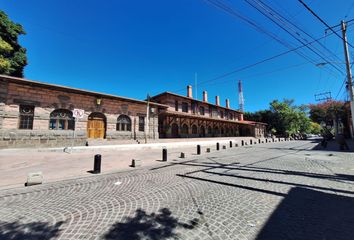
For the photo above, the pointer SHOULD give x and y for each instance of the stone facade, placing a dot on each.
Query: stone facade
(45, 98)
(187, 117)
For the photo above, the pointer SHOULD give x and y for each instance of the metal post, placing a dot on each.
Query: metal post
(97, 164)
(230, 144)
(198, 149)
(217, 146)
(164, 154)
(349, 74)
(74, 135)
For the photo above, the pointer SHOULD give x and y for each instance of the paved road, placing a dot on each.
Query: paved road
(268, 191)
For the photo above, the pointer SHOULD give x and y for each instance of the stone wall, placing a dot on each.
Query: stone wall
(46, 99)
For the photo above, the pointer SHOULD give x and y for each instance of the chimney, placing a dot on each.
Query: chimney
(189, 91)
(227, 103)
(205, 96)
(217, 100)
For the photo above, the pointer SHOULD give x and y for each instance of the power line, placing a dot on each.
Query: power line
(220, 5)
(257, 63)
(284, 25)
(322, 21)
(340, 89)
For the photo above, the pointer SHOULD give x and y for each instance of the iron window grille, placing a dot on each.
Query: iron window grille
(26, 117)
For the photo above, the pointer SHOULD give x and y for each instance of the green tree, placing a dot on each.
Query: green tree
(315, 128)
(283, 118)
(13, 57)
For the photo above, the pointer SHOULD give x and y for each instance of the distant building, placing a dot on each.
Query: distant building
(36, 114)
(188, 117)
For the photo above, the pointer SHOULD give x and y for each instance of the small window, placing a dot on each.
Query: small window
(184, 107)
(176, 106)
(124, 123)
(61, 119)
(210, 111)
(221, 114)
(141, 124)
(194, 107)
(201, 110)
(26, 117)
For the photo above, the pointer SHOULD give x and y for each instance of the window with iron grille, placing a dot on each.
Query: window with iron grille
(26, 117)
(141, 124)
(184, 107)
(176, 105)
(124, 123)
(61, 119)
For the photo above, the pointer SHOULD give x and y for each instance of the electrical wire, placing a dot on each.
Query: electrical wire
(322, 21)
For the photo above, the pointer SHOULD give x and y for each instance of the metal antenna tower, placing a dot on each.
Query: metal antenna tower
(241, 100)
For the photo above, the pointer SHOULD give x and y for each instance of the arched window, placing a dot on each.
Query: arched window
(26, 117)
(202, 131)
(184, 129)
(124, 123)
(209, 130)
(61, 119)
(194, 129)
(216, 130)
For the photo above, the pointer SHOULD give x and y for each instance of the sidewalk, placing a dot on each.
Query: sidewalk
(155, 144)
(55, 164)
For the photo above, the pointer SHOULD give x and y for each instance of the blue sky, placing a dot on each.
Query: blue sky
(131, 48)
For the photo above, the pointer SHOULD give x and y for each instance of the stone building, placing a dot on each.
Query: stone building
(189, 117)
(40, 114)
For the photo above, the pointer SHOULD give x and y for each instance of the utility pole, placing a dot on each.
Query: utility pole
(147, 118)
(349, 74)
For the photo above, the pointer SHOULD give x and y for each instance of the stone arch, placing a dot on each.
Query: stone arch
(174, 130)
(194, 129)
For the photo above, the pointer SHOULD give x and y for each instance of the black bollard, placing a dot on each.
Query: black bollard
(97, 164)
(164, 154)
(251, 142)
(230, 144)
(198, 149)
(217, 146)
(242, 143)
(259, 140)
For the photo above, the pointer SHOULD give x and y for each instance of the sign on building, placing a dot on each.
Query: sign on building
(78, 113)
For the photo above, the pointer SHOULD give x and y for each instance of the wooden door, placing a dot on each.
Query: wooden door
(95, 128)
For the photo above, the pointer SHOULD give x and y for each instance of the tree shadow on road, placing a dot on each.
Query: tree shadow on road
(29, 231)
(307, 214)
(149, 226)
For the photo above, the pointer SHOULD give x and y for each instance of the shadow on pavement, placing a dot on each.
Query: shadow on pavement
(333, 146)
(307, 214)
(148, 226)
(28, 231)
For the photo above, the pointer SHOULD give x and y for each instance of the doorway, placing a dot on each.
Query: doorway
(96, 126)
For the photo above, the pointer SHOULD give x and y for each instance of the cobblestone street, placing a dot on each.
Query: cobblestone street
(279, 190)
